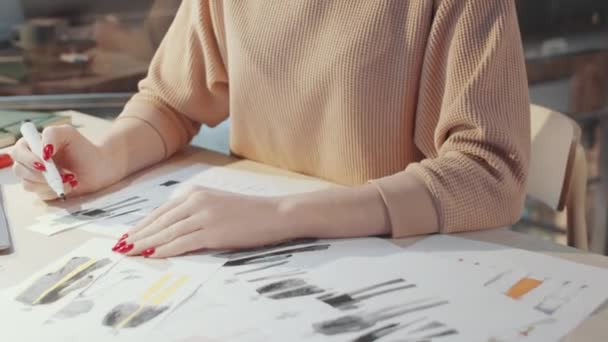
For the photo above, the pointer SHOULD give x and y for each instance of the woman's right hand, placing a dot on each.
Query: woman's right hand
(84, 166)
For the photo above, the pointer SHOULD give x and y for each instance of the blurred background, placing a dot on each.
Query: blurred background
(89, 55)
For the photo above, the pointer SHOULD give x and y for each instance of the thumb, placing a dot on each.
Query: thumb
(55, 138)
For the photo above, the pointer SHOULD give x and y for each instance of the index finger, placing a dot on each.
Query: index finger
(156, 214)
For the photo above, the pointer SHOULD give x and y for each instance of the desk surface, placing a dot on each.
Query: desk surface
(33, 251)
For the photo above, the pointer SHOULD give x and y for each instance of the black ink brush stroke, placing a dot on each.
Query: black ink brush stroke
(248, 260)
(262, 268)
(355, 323)
(345, 302)
(277, 276)
(281, 285)
(378, 333)
(298, 292)
(264, 249)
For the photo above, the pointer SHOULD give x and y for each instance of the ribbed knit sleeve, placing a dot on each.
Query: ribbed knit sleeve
(472, 119)
(187, 83)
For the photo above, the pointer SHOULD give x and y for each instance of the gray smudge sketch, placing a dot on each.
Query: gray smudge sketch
(75, 308)
(122, 312)
(47, 281)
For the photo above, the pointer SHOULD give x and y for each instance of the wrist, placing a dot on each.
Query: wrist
(109, 156)
(290, 222)
(334, 213)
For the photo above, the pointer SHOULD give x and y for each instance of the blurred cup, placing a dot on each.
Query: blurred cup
(41, 40)
(40, 33)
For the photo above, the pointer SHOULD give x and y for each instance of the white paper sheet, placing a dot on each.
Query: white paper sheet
(46, 291)
(223, 301)
(126, 303)
(390, 297)
(249, 302)
(430, 302)
(122, 299)
(245, 270)
(565, 292)
(115, 213)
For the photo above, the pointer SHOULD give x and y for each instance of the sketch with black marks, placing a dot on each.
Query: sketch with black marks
(359, 322)
(120, 208)
(261, 268)
(275, 256)
(132, 315)
(378, 333)
(278, 276)
(237, 254)
(281, 285)
(349, 300)
(262, 260)
(306, 290)
(387, 330)
(54, 285)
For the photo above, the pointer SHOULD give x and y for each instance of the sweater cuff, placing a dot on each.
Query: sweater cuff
(403, 189)
(163, 120)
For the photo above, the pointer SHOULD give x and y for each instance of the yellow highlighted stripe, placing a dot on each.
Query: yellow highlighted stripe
(65, 278)
(149, 297)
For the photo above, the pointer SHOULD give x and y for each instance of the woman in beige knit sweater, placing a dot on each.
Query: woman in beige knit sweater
(421, 107)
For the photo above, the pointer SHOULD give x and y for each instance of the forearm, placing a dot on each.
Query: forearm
(131, 144)
(358, 211)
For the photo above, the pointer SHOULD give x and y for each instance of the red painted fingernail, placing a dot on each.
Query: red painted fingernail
(39, 166)
(126, 249)
(124, 236)
(68, 177)
(118, 245)
(74, 183)
(148, 252)
(47, 151)
(5, 160)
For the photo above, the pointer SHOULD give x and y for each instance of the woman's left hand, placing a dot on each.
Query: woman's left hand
(206, 219)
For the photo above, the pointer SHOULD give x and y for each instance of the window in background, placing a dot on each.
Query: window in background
(566, 47)
(78, 46)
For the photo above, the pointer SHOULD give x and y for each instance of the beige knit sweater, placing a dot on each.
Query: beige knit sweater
(353, 91)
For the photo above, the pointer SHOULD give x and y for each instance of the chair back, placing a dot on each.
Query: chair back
(553, 151)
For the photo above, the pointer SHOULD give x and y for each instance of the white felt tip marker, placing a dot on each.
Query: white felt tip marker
(52, 175)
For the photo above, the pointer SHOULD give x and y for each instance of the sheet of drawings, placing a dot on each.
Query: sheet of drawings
(382, 296)
(564, 292)
(243, 271)
(45, 292)
(115, 213)
(95, 294)
(223, 298)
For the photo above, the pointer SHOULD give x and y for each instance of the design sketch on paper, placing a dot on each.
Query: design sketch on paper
(85, 301)
(359, 322)
(74, 275)
(518, 285)
(276, 256)
(122, 208)
(298, 287)
(237, 254)
(560, 297)
(422, 329)
(155, 300)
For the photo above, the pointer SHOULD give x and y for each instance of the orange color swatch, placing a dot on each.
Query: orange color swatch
(523, 286)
